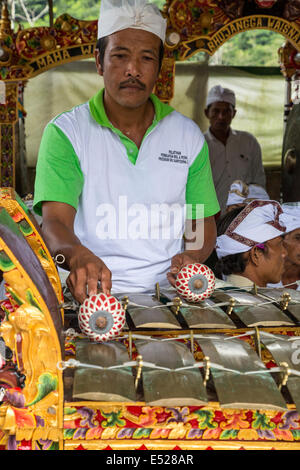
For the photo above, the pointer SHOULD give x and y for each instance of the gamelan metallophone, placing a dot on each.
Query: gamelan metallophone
(220, 374)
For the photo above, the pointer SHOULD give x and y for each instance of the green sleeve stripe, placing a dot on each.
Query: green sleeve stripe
(58, 174)
(200, 189)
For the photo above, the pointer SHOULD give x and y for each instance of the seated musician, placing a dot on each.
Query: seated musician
(105, 167)
(240, 194)
(291, 242)
(250, 249)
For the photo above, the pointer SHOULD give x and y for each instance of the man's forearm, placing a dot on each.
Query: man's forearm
(60, 239)
(200, 239)
(200, 256)
(87, 270)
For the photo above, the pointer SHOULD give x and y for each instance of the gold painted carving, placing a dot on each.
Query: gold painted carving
(28, 327)
(30, 333)
(8, 200)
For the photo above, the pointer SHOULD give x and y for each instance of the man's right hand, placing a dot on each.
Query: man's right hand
(86, 271)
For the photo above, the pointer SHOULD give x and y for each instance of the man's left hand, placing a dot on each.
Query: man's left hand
(179, 261)
(191, 256)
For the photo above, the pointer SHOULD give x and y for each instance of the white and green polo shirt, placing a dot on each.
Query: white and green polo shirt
(131, 202)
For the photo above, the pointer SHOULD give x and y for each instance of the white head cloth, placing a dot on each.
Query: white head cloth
(116, 15)
(241, 193)
(257, 223)
(291, 215)
(218, 93)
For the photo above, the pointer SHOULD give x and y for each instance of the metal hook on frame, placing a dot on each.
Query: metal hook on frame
(139, 361)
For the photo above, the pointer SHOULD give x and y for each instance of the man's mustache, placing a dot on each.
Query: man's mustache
(133, 81)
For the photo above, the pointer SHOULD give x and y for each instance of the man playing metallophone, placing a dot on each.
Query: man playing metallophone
(115, 175)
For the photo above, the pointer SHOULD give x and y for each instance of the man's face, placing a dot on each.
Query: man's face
(130, 67)
(292, 246)
(271, 263)
(220, 115)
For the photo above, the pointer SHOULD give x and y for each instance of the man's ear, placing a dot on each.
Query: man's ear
(255, 255)
(234, 113)
(97, 60)
(206, 112)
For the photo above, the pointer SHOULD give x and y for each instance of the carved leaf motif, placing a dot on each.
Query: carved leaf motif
(47, 383)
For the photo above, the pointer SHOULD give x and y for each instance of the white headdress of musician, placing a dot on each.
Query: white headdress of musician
(257, 223)
(218, 93)
(291, 216)
(116, 15)
(242, 193)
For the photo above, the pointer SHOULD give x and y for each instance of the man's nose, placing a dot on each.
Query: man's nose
(133, 68)
(221, 115)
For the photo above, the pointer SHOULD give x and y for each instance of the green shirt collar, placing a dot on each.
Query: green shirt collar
(98, 111)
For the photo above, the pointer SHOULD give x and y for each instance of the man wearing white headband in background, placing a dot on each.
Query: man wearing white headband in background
(234, 155)
(105, 166)
(251, 249)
